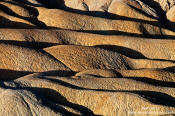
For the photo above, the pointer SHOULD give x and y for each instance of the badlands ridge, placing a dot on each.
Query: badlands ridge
(87, 57)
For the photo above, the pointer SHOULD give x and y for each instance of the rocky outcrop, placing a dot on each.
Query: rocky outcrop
(85, 57)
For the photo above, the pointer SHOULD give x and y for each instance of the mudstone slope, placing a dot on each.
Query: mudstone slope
(87, 57)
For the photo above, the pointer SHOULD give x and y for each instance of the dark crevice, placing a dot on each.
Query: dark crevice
(27, 44)
(152, 96)
(32, 19)
(153, 81)
(6, 75)
(159, 11)
(129, 52)
(114, 32)
(57, 4)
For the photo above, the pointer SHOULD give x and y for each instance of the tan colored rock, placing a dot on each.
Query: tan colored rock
(170, 14)
(66, 20)
(101, 94)
(29, 36)
(76, 4)
(83, 57)
(15, 15)
(18, 10)
(166, 4)
(144, 63)
(145, 47)
(54, 18)
(17, 61)
(99, 73)
(164, 75)
(22, 102)
(93, 5)
(137, 47)
(171, 24)
(8, 21)
(126, 8)
(79, 58)
(155, 74)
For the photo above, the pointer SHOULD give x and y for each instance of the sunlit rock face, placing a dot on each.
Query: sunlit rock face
(87, 57)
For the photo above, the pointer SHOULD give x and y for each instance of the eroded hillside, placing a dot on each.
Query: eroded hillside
(87, 57)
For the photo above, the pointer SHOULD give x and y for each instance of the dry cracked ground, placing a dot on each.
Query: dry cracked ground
(87, 57)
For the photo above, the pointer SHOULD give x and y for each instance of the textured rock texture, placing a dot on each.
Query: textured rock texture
(87, 57)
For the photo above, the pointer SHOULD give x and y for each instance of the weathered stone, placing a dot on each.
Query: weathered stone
(87, 57)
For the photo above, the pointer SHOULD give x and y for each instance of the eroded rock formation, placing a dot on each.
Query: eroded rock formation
(87, 57)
